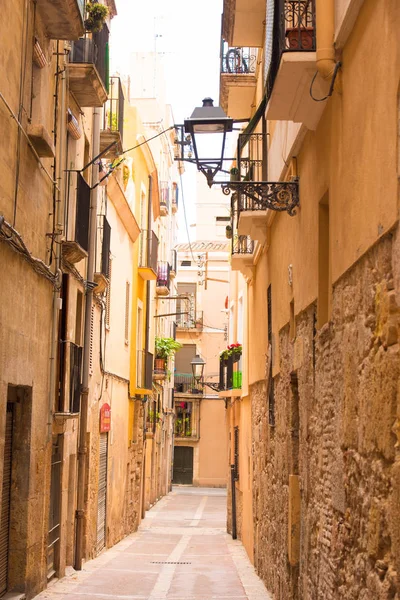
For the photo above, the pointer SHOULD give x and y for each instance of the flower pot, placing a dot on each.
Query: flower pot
(300, 38)
(228, 232)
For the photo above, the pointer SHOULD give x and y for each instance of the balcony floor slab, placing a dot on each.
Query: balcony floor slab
(290, 98)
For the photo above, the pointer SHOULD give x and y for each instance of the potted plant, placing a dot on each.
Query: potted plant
(300, 38)
(165, 347)
(229, 232)
(96, 15)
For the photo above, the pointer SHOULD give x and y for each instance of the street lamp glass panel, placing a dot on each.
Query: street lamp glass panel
(197, 365)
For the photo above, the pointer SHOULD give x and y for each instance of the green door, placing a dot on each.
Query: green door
(183, 465)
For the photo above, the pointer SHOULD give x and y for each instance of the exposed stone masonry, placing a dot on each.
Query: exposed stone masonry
(347, 377)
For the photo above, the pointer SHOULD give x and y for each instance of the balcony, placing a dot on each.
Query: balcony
(113, 120)
(230, 376)
(144, 371)
(242, 258)
(185, 383)
(190, 321)
(164, 198)
(243, 22)
(102, 273)
(62, 19)
(70, 377)
(174, 264)
(175, 196)
(75, 248)
(88, 69)
(187, 422)
(238, 79)
(293, 65)
(251, 200)
(163, 278)
(148, 252)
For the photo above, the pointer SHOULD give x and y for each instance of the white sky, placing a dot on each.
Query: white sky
(186, 34)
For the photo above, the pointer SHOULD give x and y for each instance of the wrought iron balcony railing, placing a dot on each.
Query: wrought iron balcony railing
(164, 197)
(95, 51)
(192, 320)
(148, 250)
(252, 191)
(70, 377)
(163, 276)
(230, 373)
(144, 370)
(185, 383)
(82, 213)
(293, 31)
(174, 262)
(242, 244)
(238, 61)
(175, 197)
(114, 108)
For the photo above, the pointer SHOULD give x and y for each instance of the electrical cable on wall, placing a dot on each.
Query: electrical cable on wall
(332, 85)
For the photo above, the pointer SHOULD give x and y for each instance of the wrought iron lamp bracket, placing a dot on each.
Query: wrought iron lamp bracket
(280, 196)
(213, 386)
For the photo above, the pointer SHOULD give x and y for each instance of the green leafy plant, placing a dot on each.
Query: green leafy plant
(96, 15)
(166, 347)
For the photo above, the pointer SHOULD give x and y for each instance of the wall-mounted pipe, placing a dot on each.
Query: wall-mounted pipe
(325, 23)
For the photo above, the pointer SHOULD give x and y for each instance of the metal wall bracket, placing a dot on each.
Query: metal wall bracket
(281, 196)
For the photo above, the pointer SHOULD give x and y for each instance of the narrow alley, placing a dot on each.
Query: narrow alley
(180, 552)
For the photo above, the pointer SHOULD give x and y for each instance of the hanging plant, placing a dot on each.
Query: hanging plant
(97, 14)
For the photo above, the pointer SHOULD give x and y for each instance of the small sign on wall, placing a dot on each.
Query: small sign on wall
(105, 418)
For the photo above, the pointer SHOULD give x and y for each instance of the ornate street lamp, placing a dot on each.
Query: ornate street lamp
(208, 119)
(198, 364)
(280, 196)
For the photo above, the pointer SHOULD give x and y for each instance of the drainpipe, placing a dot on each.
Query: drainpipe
(325, 22)
(82, 452)
(61, 127)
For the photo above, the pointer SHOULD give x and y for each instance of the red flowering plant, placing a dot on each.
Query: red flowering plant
(234, 350)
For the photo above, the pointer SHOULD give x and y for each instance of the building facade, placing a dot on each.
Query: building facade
(79, 254)
(317, 414)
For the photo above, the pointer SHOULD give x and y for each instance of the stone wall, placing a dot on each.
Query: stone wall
(336, 397)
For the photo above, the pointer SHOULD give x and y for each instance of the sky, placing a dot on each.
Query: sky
(186, 35)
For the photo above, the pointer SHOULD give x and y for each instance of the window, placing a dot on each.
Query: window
(186, 263)
(183, 419)
(78, 318)
(222, 219)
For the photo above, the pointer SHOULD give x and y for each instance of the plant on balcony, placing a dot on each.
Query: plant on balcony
(96, 15)
(234, 350)
(166, 347)
(229, 232)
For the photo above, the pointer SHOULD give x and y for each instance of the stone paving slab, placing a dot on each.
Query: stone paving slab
(181, 552)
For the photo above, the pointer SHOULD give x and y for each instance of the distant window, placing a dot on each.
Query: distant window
(222, 219)
(186, 263)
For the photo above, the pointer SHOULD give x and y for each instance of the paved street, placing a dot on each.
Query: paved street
(181, 552)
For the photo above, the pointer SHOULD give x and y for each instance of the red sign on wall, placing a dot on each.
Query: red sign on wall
(105, 418)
